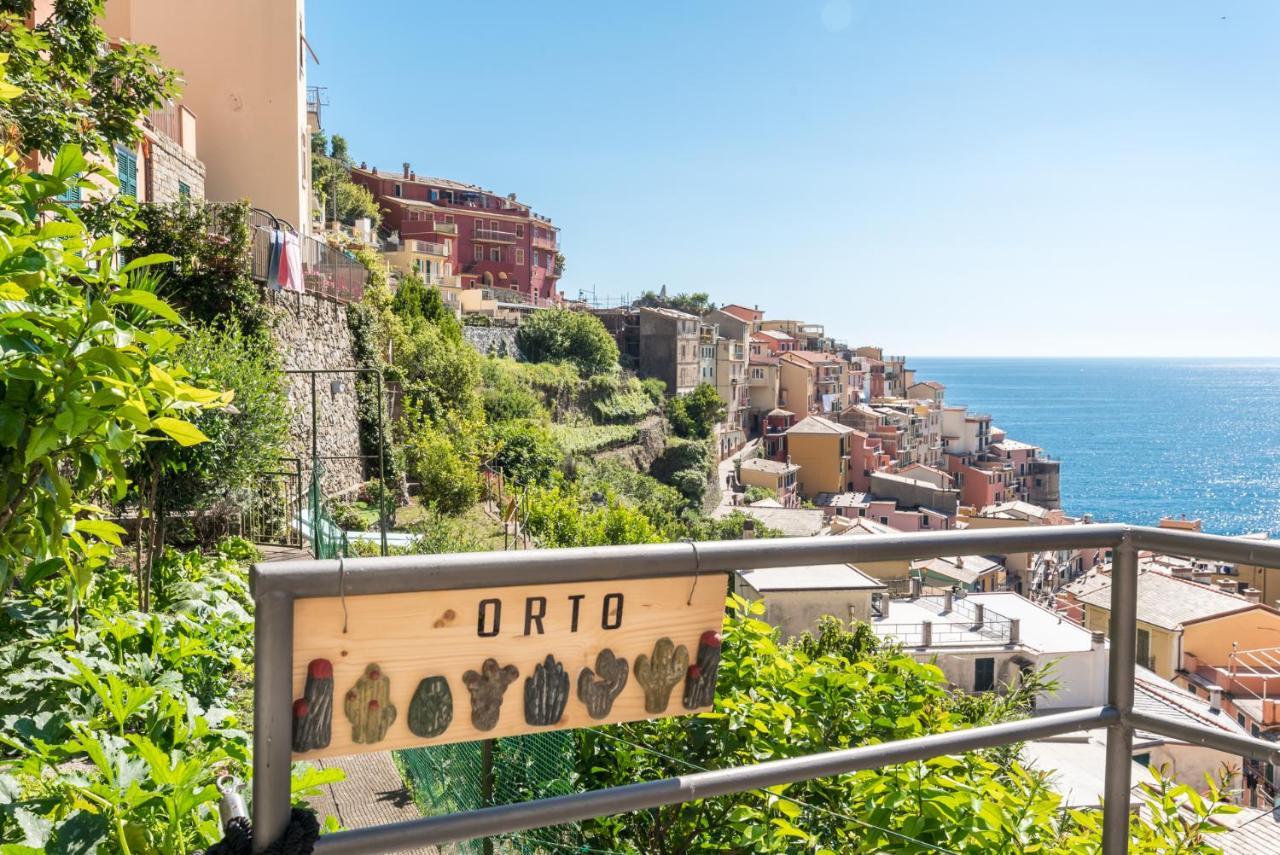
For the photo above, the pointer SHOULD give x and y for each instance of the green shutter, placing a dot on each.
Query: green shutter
(127, 171)
(184, 190)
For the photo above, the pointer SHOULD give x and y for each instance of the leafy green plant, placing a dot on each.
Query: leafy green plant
(588, 439)
(695, 416)
(562, 335)
(211, 273)
(90, 371)
(78, 88)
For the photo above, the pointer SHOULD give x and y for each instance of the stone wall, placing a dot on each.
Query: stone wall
(311, 332)
(171, 166)
(492, 341)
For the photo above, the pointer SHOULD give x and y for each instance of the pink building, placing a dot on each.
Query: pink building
(866, 455)
(771, 342)
(774, 432)
(495, 241)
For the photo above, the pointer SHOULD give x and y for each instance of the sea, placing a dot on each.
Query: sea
(1139, 438)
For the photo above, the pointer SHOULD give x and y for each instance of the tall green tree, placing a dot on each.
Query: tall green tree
(77, 87)
(89, 371)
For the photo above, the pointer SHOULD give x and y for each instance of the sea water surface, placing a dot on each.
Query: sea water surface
(1139, 438)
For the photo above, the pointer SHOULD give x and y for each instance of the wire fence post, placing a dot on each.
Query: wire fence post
(1120, 675)
(486, 785)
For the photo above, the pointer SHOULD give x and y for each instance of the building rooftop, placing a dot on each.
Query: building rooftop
(840, 500)
(1163, 600)
(817, 424)
(792, 522)
(1014, 445)
(742, 313)
(778, 411)
(669, 313)
(1014, 510)
(862, 525)
(966, 569)
(812, 356)
(1039, 629)
(762, 359)
(818, 577)
(932, 384)
(1159, 697)
(764, 464)
(776, 335)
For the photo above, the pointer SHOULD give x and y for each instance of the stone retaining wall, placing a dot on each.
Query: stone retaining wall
(492, 341)
(311, 332)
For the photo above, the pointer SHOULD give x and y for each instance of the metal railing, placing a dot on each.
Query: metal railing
(493, 235)
(326, 271)
(277, 586)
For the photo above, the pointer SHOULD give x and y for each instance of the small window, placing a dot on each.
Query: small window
(519, 230)
(448, 218)
(399, 190)
(519, 256)
(479, 252)
(435, 195)
(495, 253)
(127, 171)
(984, 674)
(184, 190)
(479, 224)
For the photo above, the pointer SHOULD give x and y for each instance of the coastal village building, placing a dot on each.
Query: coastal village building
(1177, 618)
(762, 391)
(984, 641)
(773, 432)
(660, 343)
(812, 381)
(885, 511)
(775, 475)
(974, 573)
(927, 390)
(731, 352)
(797, 598)
(260, 99)
(492, 241)
(820, 448)
(912, 492)
(806, 336)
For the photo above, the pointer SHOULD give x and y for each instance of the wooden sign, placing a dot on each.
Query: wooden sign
(434, 667)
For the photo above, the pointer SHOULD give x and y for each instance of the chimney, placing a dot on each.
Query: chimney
(364, 165)
(1015, 630)
(1253, 595)
(979, 614)
(885, 600)
(413, 176)
(926, 633)
(1097, 639)
(915, 589)
(1215, 699)
(375, 170)
(748, 530)
(406, 169)
(947, 601)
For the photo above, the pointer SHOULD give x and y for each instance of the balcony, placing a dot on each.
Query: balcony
(493, 236)
(426, 247)
(545, 241)
(450, 229)
(176, 122)
(326, 271)
(276, 588)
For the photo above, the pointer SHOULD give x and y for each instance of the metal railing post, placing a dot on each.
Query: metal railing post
(1120, 674)
(272, 710)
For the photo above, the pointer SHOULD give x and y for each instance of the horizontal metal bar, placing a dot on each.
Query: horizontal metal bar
(1214, 547)
(506, 819)
(400, 574)
(1244, 746)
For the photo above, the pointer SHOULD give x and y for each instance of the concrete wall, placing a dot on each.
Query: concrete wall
(1082, 674)
(243, 66)
(798, 612)
(1211, 641)
(1163, 646)
(821, 465)
(911, 493)
(491, 341)
(311, 332)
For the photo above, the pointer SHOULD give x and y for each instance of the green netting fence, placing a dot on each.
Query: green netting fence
(449, 778)
(328, 540)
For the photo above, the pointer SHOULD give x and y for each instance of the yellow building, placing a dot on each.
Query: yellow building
(795, 385)
(1173, 614)
(244, 71)
(820, 447)
(430, 261)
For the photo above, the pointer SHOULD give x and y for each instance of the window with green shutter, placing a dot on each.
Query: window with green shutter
(184, 190)
(127, 171)
(71, 196)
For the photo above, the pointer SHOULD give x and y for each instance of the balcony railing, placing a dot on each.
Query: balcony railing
(493, 236)
(326, 271)
(426, 247)
(544, 242)
(176, 122)
(445, 228)
(276, 587)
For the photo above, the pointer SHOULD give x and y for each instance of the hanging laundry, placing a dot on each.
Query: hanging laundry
(291, 263)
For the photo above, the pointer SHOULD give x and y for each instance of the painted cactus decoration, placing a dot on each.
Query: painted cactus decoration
(368, 706)
(431, 709)
(546, 693)
(597, 689)
(700, 681)
(313, 712)
(487, 688)
(660, 673)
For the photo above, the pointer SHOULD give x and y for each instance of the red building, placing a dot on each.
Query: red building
(494, 241)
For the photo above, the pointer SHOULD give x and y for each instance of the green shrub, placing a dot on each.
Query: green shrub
(656, 390)
(589, 439)
(348, 517)
(755, 494)
(557, 335)
(524, 450)
(623, 406)
(696, 415)
(446, 476)
(211, 276)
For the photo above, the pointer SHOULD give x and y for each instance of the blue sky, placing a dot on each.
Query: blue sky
(976, 178)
